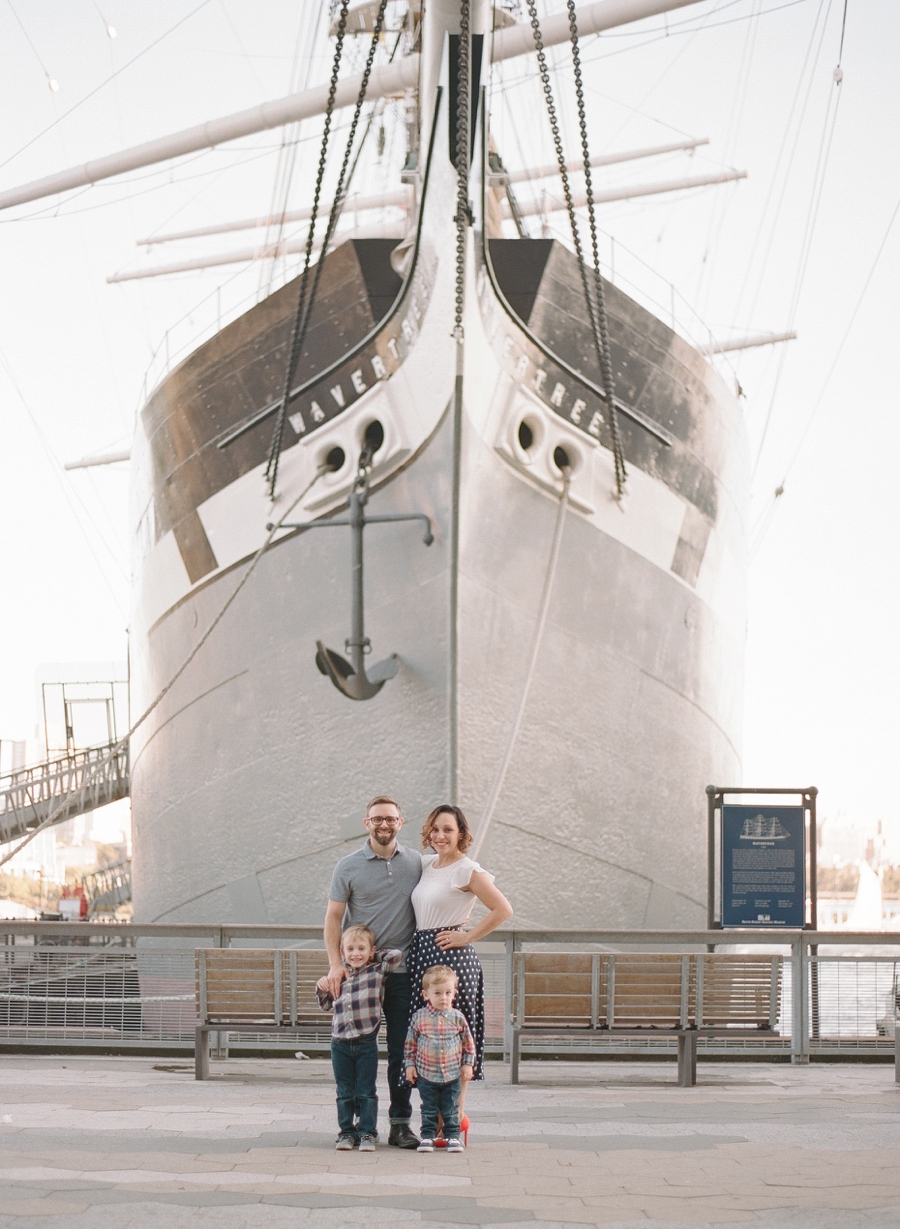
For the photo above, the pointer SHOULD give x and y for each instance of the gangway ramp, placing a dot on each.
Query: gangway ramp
(76, 782)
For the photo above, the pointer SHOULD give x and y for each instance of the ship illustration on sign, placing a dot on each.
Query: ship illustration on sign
(763, 828)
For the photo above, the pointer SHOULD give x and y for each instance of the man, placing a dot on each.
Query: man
(372, 887)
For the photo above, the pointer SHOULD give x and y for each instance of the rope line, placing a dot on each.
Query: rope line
(123, 742)
(543, 610)
(463, 214)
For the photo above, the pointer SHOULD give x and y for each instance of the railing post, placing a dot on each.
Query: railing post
(511, 949)
(800, 1005)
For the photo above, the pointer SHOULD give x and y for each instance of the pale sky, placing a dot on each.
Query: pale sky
(793, 245)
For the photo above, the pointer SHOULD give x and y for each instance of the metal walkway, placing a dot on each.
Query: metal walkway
(29, 795)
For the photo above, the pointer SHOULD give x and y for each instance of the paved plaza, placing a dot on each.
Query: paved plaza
(123, 1143)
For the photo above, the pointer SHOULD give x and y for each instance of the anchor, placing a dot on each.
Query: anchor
(351, 677)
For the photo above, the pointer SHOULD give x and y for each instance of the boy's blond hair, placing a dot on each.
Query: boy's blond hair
(361, 932)
(438, 972)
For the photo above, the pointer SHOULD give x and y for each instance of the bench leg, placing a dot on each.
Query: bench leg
(514, 1057)
(897, 1052)
(201, 1053)
(687, 1059)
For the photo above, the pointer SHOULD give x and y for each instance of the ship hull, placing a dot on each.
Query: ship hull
(250, 779)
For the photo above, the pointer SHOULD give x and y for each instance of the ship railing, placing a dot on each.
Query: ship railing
(120, 986)
(29, 795)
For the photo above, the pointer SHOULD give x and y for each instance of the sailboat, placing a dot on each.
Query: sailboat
(530, 596)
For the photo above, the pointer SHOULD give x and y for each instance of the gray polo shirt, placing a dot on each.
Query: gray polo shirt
(377, 893)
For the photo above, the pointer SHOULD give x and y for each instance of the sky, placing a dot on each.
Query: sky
(805, 242)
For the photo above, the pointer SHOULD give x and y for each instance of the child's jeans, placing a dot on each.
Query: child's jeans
(355, 1064)
(440, 1099)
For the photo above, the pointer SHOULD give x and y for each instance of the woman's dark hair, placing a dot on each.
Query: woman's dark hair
(465, 832)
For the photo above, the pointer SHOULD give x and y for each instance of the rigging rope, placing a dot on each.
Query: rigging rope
(123, 742)
(600, 334)
(535, 648)
(305, 302)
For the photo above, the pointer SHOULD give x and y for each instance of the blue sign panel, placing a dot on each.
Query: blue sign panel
(763, 866)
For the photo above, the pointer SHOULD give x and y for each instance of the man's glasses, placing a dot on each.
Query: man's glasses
(378, 822)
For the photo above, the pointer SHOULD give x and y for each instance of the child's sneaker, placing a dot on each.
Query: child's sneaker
(345, 1143)
(455, 1144)
(367, 1143)
(427, 1145)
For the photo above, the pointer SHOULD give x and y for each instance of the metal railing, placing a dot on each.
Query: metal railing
(124, 986)
(29, 795)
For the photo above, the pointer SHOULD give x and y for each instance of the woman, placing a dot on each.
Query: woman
(443, 900)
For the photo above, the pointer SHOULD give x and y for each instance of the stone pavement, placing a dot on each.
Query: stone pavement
(124, 1143)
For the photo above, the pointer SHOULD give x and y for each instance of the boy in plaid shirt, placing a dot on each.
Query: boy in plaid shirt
(439, 1047)
(354, 1034)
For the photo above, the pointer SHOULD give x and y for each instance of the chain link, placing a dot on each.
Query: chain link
(600, 333)
(602, 318)
(305, 302)
(462, 165)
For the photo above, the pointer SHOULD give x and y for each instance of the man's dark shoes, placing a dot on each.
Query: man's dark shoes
(402, 1137)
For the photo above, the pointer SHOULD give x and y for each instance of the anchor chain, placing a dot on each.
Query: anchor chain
(602, 318)
(305, 302)
(601, 336)
(463, 215)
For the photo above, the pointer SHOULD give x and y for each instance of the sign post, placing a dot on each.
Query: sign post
(764, 865)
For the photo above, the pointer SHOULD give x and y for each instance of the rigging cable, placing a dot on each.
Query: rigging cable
(305, 302)
(123, 742)
(532, 663)
(618, 458)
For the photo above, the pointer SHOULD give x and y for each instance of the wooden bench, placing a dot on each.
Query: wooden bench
(255, 991)
(642, 995)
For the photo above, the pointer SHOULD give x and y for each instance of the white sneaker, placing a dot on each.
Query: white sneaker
(367, 1143)
(427, 1145)
(455, 1144)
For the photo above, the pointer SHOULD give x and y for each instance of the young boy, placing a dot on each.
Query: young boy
(439, 1047)
(354, 1034)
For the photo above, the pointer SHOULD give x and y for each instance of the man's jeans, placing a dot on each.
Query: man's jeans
(355, 1064)
(397, 993)
(440, 1099)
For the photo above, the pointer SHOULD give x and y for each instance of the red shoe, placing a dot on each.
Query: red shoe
(440, 1142)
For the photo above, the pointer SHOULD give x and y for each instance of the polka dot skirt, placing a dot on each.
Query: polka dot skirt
(423, 953)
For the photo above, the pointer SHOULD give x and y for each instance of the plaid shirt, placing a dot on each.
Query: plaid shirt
(357, 1009)
(438, 1044)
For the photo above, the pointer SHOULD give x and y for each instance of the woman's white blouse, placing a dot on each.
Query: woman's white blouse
(440, 899)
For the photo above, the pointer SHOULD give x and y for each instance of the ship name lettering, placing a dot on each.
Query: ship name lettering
(407, 330)
(379, 368)
(296, 421)
(415, 311)
(357, 381)
(557, 395)
(577, 410)
(522, 367)
(317, 412)
(507, 345)
(392, 346)
(539, 377)
(338, 393)
(482, 277)
(595, 422)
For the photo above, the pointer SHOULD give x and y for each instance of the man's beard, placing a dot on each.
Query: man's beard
(383, 838)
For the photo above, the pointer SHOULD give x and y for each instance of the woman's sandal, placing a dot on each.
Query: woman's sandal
(440, 1142)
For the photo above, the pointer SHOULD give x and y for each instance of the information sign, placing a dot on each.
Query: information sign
(763, 866)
